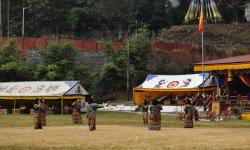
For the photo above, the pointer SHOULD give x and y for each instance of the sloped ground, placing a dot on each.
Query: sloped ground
(214, 33)
(220, 41)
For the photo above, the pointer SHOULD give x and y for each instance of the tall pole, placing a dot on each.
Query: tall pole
(202, 51)
(23, 29)
(202, 61)
(1, 32)
(8, 18)
(23, 23)
(128, 71)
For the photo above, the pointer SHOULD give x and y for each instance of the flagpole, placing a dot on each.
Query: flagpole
(202, 61)
(202, 46)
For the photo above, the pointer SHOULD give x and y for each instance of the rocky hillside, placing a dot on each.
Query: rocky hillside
(220, 40)
(93, 61)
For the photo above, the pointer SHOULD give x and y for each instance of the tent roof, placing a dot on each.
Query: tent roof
(41, 88)
(236, 59)
(175, 82)
(231, 63)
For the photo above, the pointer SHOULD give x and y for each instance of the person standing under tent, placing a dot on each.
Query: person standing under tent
(76, 113)
(43, 112)
(188, 110)
(91, 116)
(155, 115)
(145, 110)
(37, 115)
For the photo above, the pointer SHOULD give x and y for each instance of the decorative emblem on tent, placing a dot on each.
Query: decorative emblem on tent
(12, 89)
(52, 88)
(2, 88)
(38, 89)
(160, 84)
(186, 82)
(24, 90)
(173, 84)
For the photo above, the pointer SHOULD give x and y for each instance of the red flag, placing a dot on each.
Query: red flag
(201, 20)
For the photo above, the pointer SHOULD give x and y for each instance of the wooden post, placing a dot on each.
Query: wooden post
(14, 110)
(62, 106)
(14, 103)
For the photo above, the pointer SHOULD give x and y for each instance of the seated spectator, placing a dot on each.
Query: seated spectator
(22, 109)
(66, 109)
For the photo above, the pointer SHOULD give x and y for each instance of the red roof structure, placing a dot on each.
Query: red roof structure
(231, 63)
(236, 59)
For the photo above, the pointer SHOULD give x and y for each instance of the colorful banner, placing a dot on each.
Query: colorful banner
(174, 81)
(216, 107)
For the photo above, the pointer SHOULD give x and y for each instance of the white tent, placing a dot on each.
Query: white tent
(41, 88)
(157, 85)
(49, 90)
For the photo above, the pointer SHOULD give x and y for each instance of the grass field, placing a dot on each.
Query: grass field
(117, 130)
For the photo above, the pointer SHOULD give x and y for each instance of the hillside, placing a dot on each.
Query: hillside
(220, 40)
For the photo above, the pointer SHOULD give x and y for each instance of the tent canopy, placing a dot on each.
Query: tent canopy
(170, 82)
(157, 85)
(41, 89)
(231, 63)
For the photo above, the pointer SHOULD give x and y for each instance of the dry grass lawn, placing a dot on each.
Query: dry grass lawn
(122, 137)
(121, 131)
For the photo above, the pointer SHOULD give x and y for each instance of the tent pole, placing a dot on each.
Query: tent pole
(62, 106)
(13, 112)
(128, 96)
(14, 103)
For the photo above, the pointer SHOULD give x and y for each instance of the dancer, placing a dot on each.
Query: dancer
(43, 112)
(37, 115)
(155, 115)
(188, 110)
(76, 114)
(145, 110)
(91, 116)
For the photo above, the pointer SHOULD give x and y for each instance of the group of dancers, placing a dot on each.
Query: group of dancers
(91, 113)
(151, 113)
(40, 113)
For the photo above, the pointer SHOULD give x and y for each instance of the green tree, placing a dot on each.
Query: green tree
(232, 10)
(113, 73)
(41, 16)
(113, 15)
(139, 49)
(81, 17)
(12, 64)
(59, 63)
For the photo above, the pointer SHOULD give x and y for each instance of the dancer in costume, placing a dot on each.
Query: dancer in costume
(188, 110)
(145, 110)
(91, 110)
(37, 115)
(43, 112)
(155, 115)
(76, 114)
